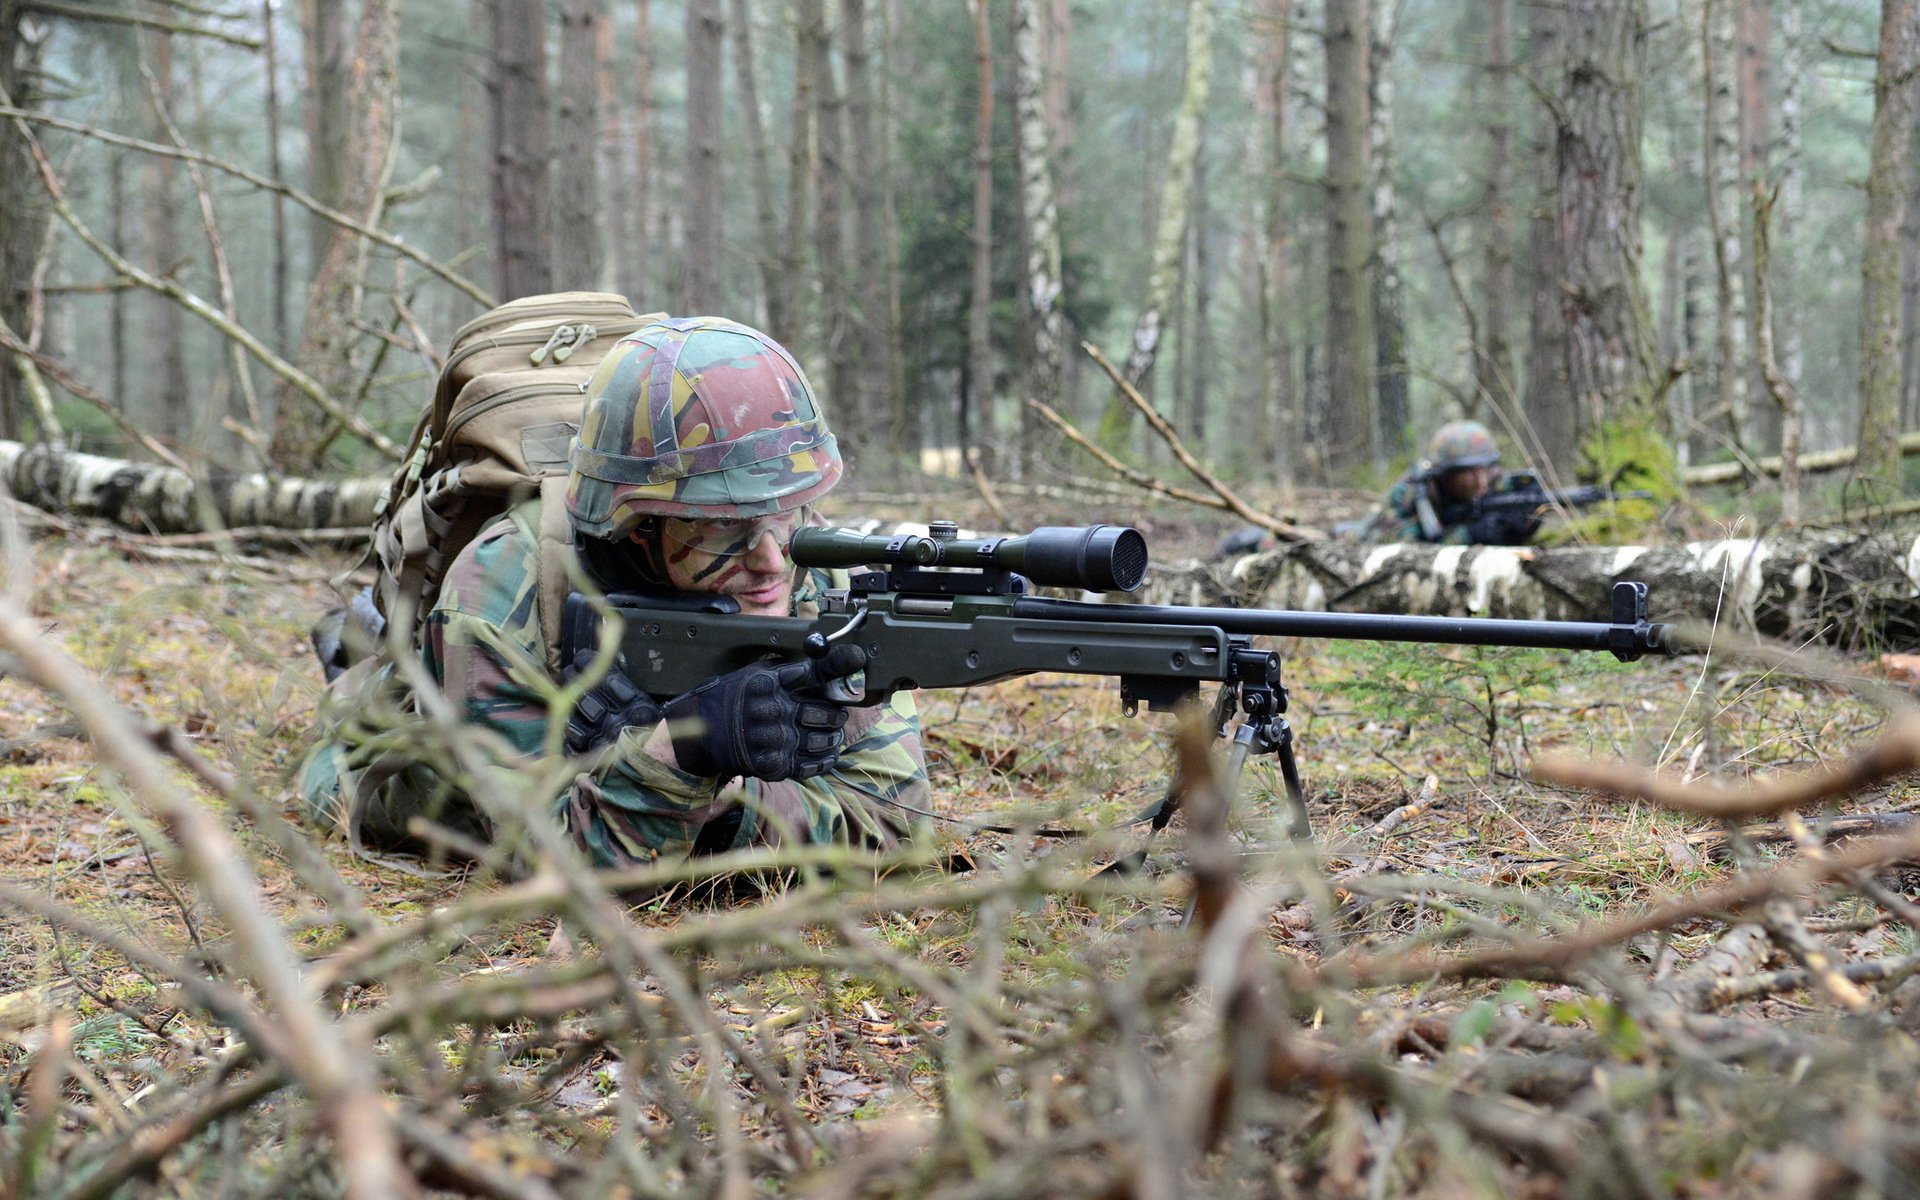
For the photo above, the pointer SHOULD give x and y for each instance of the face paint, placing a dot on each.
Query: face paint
(729, 537)
(745, 558)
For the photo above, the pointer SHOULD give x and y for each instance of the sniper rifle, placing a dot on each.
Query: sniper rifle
(942, 611)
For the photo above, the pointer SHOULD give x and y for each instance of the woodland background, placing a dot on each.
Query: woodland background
(1312, 229)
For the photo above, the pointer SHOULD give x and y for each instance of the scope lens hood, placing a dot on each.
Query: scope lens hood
(1095, 558)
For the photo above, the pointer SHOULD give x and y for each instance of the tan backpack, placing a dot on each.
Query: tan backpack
(503, 418)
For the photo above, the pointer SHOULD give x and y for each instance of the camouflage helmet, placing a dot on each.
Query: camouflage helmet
(697, 417)
(1461, 444)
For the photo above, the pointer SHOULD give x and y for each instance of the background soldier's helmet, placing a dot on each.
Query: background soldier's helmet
(697, 417)
(1460, 444)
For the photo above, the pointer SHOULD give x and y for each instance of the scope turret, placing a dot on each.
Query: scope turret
(1094, 558)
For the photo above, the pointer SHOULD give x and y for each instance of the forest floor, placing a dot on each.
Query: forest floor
(1417, 767)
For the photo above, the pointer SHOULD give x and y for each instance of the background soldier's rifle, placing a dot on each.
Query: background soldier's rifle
(1512, 516)
(941, 611)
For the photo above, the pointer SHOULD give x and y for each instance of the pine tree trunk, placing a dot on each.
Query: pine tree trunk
(766, 219)
(800, 172)
(1894, 108)
(1352, 433)
(1389, 302)
(1756, 103)
(1282, 399)
(1550, 418)
(1170, 235)
(579, 247)
(522, 208)
(23, 210)
(704, 212)
(327, 56)
(1040, 222)
(1724, 208)
(875, 374)
(1198, 335)
(1610, 357)
(1493, 365)
(282, 268)
(333, 300)
(1792, 211)
(636, 277)
(976, 418)
(169, 388)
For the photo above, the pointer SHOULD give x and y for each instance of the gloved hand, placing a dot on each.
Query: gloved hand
(766, 721)
(608, 707)
(1505, 527)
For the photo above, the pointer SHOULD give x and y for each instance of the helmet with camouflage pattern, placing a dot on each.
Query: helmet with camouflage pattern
(1461, 444)
(697, 417)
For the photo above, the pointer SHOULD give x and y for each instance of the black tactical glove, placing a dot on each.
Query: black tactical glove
(767, 721)
(608, 707)
(1505, 527)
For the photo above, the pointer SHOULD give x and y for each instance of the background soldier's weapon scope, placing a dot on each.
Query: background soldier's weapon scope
(1095, 558)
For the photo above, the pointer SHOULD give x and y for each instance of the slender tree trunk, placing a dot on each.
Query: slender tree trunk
(1610, 357)
(1352, 434)
(616, 224)
(118, 349)
(333, 301)
(282, 272)
(976, 402)
(1792, 210)
(522, 213)
(830, 239)
(1894, 107)
(1756, 86)
(907, 424)
(1198, 335)
(1169, 240)
(1041, 222)
(636, 280)
(328, 59)
(1910, 298)
(766, 218)
(1493, 366)
(800, 170)
(705, 214)
(170, 410)
(870, 231)
(1283, 399)
(1551, 431)
(579, 249)
(1724, 207)
(23, 209)
(1389, 303)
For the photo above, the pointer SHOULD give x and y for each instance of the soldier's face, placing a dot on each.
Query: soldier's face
(1468, 483)
(745, 559)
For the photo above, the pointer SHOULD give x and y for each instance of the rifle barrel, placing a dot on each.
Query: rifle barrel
(1623, 639)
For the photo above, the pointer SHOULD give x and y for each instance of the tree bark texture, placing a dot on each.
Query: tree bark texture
(1609, 348)
(1389, 296)
(1792, 177)
(1493, 367)
(327, 55)
(1837, 587)
(830, 225)
(975, 418)
(1726, 191)
(579, 246)
(333, 299)
(766, 219)
(884, 416)
(1281, 401)
(1549, 431)
(169, 389)
(1170, 235)
(522, 206)
(1756, 105)
(149, 498)
(1040, 220)
(23, 211)
(282, 267)
(1352, 435)
(800, 173)
(1894, 107)
(705, 213)
(635, 264)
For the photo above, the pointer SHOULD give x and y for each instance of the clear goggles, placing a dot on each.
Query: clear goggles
(732, 537)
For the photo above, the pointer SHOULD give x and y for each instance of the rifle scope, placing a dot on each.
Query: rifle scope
(1095, 558)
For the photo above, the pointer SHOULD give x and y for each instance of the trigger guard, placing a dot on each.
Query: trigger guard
(840, 691)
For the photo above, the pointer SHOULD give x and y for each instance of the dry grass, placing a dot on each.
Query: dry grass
(1020, 1029)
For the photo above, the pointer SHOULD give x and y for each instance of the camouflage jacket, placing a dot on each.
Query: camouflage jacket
(1414, 512)
(480, 641)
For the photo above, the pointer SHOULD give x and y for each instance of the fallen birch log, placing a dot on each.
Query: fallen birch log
(1836, 587)
(150, 498)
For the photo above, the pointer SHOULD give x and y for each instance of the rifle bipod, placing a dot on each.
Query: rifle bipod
(1257, 695)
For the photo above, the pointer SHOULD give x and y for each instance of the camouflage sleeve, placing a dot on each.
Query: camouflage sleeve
(1395, 519)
